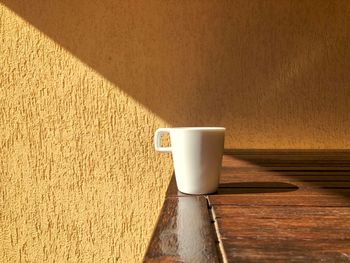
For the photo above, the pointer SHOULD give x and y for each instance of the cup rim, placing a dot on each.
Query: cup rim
(200, 128)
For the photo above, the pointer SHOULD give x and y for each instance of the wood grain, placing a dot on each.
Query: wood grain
(284, 207)
(271, 207)
(250, 249)
(184, 233)
(280, 200)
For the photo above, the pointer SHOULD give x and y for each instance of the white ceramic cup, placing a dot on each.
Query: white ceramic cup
(197, 156)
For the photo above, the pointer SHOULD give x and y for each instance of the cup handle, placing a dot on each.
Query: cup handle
(157, 137)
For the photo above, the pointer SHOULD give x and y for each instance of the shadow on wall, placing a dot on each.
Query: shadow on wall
(275, 73)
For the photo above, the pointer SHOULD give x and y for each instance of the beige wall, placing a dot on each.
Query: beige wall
(85, 83)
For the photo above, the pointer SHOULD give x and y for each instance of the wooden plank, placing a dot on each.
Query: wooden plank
(286, 164)
(291, 169)
(308, 228)
(262, 192)
(289, 161)
(272, 212)
(288, 152)
(184, 233)
(287, 158)
(298, 244)
(289, 185)
(280, 200)
(286, 177)
(236, 161)
(227, 171)
(286, 250)
(283, 234)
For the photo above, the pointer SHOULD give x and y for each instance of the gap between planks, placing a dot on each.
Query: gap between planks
(222, 252)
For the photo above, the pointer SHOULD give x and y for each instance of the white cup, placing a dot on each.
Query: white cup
(197, 156)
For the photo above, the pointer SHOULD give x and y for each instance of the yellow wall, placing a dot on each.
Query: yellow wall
(80, 181)
(84, 84)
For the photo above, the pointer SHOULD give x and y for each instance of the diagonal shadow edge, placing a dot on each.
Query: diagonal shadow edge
(154, 54)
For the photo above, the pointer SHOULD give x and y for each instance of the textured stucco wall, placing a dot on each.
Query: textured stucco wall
(79, 180)
(84, 84)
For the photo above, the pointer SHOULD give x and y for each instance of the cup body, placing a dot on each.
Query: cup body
(197, 157)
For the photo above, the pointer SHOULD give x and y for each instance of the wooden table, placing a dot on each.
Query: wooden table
(272, 206)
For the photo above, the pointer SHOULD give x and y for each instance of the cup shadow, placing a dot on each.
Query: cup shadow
(325, 171)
